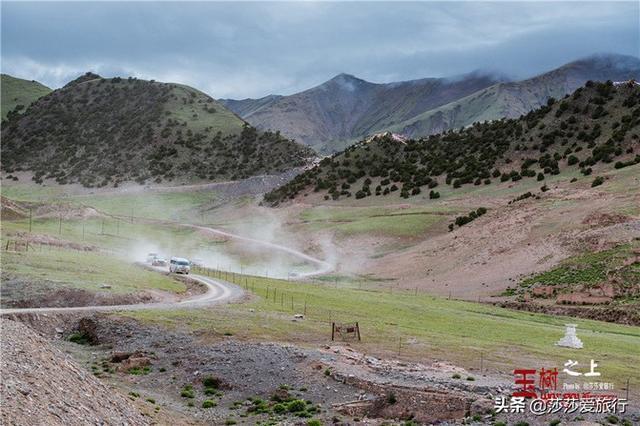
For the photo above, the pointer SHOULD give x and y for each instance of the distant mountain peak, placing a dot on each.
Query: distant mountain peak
(346, 81)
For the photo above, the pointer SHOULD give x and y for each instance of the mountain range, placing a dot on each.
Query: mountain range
(339, 112)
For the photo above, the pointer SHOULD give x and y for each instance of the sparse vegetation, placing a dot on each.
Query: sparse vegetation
(463, 220)
(188, 392)
(208, 403)
(540, 141)
(80, 338)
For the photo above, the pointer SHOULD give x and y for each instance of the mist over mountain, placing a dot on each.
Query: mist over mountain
(338, 112)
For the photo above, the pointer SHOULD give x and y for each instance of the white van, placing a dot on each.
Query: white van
(179, 265)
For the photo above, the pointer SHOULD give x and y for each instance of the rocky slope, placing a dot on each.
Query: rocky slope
(43, 386)
(100, 132)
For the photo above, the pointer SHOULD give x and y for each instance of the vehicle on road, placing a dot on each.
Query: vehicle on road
(151, 257)
(159, 261)
(179, 265)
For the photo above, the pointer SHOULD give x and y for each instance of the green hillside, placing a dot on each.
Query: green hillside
(599, 123)
(16, 91)
(99, 132)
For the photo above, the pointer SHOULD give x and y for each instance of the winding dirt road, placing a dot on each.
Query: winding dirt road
(322, 266)
(217, 292)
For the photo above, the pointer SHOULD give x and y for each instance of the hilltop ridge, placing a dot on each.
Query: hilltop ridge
(99, 132)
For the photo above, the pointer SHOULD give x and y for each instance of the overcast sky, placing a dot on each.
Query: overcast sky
(253, 49)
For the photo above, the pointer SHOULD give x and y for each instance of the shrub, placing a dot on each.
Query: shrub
(211, 382)
(187, 392)
(140, 371)
(391, 398)
(455, 376)
(279, 408)
(314, 422)
(80, 338)
(599, 180)
(208, 403)
(151, 400)
(297, 405)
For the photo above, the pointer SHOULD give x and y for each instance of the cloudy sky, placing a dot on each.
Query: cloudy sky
(253, 49)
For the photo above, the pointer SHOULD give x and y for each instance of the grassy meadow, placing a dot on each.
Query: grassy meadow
(84, 270)
(411, 326)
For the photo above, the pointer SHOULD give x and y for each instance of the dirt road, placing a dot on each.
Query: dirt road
(217, 292)
(322, 266)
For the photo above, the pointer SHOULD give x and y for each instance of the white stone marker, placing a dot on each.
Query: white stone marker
(570, 339)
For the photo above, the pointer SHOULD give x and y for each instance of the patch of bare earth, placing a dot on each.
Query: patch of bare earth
(488, 255)
(43, 386)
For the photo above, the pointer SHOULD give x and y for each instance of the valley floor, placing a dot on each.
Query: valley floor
(393, 266)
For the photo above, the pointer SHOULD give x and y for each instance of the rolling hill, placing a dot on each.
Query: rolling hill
(345, 109)
(599, 123)
(99, 131)
(329, 116)
(18, 92)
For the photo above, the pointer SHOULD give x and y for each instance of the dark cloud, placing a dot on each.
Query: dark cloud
(253, 49)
